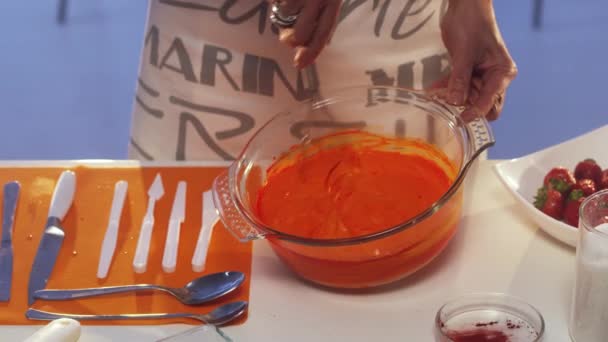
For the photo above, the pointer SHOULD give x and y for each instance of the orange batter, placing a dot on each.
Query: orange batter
(352, 184)
(350, 190)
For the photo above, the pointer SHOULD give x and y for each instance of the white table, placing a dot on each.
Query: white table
(497, 249)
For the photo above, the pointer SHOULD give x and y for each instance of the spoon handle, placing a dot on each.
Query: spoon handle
(48, 316)
(90, 292)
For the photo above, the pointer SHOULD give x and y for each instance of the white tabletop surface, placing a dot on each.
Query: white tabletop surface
(497, 249)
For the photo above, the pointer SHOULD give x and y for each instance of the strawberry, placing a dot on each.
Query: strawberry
(560, 179)
(550, 202)
(561, 173)
(573, 202)
(587, 186)
(588, 169)
(603, 184)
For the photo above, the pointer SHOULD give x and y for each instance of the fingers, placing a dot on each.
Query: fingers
(491, 95)
(306, 54)
(301, 32)
(474, 93)
(476, 84)
(440, 83)
(286, 36)
(496, 108)
(439, 88)
(460, 79)
(305, 26)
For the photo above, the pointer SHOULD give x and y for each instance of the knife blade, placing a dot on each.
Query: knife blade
(10, 198)
(52, 238)
(48, 250)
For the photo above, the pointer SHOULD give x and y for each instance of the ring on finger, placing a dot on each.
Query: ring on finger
(280, 19)
(497, 105)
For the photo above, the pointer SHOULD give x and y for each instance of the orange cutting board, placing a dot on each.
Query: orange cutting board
(85, 226)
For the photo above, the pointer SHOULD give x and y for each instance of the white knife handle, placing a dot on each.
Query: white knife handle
(170, 253)
(210, 218)
(140, 261)
(60, 329)
(63, 195)
(107, 250)
(108, 245)
(199, 259)
(120, 194)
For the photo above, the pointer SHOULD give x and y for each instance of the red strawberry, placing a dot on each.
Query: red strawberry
(550, 202)
(560, 179)
(573, 202)
(588, 169)
(603, 184)
(585, 185)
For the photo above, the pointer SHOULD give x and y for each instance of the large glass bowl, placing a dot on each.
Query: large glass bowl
(381, 257)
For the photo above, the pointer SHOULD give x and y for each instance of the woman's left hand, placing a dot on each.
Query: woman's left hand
(482, 68)
(316, 20)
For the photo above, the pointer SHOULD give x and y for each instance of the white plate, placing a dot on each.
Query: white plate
(523, 176)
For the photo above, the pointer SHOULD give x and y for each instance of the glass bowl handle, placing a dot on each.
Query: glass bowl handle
(230, 215)
(481, 137)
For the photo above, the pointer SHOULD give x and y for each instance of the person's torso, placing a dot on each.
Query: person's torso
(213, 72)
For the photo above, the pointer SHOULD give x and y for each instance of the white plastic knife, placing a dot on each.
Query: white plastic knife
(210, 218)
(10, 198)
(178, 213)
(140, 261)
(108, 246)
(53, 235)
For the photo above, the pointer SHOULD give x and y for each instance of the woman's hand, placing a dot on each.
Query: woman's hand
(482, 68)
(311, 32)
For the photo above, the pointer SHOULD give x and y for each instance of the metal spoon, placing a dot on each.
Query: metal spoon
(221, 315)
(198, 291)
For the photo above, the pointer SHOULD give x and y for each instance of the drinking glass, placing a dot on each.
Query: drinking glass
(589, 310)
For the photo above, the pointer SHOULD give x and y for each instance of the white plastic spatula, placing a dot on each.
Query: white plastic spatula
(108, 245)
(210, 218)
(178, 212)
(140, 261)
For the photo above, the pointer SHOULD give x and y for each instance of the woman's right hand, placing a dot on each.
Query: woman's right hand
(313, 29)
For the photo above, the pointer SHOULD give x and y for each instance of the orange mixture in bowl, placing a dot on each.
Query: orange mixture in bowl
(353, 184)
(350, 190)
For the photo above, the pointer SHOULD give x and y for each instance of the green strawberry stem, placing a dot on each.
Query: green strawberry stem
(540, 198)
(559, 185)
(575, 195)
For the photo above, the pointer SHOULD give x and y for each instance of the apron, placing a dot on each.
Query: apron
(213, 71)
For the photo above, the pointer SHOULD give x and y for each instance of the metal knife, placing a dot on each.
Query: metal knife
(53, 235)
(10, 198)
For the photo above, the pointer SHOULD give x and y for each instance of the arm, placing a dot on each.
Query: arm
(482, 68)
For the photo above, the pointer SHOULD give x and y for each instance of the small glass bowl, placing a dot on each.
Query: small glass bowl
(493, 316)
